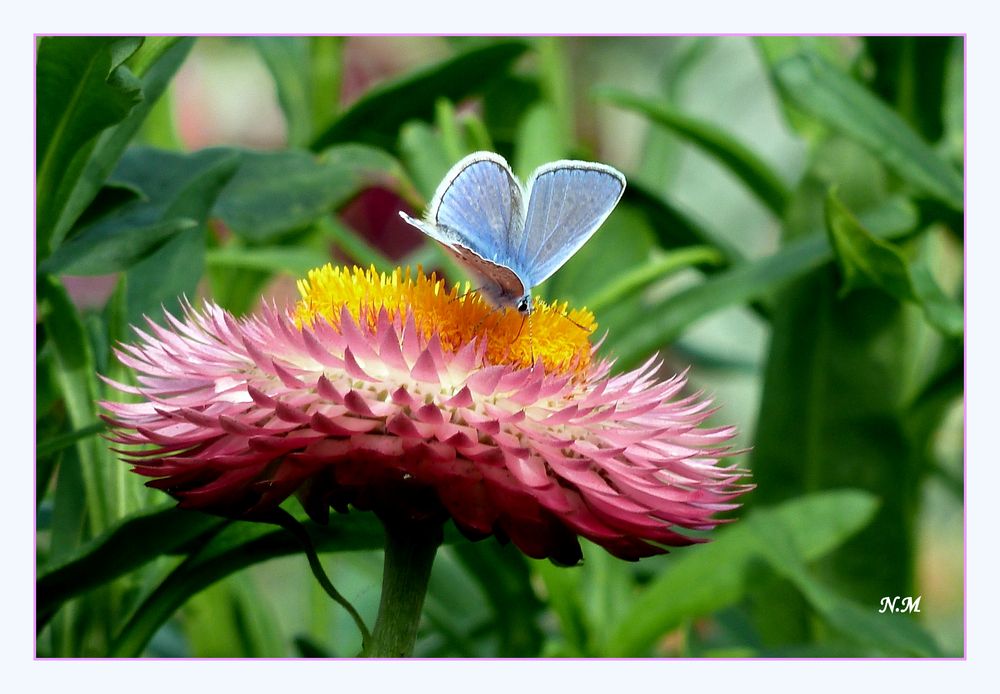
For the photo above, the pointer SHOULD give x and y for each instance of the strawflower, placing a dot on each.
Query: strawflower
(396, 394)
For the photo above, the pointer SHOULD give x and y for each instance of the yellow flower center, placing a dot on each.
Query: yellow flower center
(556, 336)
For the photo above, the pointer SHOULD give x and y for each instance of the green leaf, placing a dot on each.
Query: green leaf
(160, 129)
(457, 611)
(732, 154)
(158, 281)
(425, 155)
(270, 259)
(556, 84)
(110, 199)
(229, 619)
(834, 98)
(271, 193)
(54, 444)
(707, 578)
(240, 545)
(953, 108)
(866, 260)
(151, 51)
(81, 89)
(943, 312)
(307, 648)
(451, 133)
(326, 58)
(608, 589)
(774, 49)
(539, 140)
(288, 59)
(634, 281)
(505, 101)
(70, 508)
(131, 543)
(839, 376)
(744, 283)
(112, 250)
(889, 634)
(676, 228)
(353, 245)
(275, 192)
(910, 74)
(476, 134)
(78, 383)
(502, 573)
(622, 243)
(376, 118)
(156, 65)
(565, 598)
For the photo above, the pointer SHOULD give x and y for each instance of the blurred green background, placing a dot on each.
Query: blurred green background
(792, 230)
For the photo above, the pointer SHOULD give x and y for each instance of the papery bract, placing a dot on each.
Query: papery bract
(399, 396)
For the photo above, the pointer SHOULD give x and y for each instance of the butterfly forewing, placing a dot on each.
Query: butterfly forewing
(567, 202)
(480, 203)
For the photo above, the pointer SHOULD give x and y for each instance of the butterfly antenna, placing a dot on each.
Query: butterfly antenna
(581, 327)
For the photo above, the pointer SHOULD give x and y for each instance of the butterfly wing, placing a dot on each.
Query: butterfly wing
(477, 213)
(479, 205)
(500, 285)
(567, 202)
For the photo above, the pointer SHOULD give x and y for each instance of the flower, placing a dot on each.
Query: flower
(391, 393)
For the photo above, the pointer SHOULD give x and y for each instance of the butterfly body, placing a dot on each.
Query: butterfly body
(511, 237)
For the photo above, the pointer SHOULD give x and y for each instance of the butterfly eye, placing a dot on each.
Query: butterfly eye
(524, 305)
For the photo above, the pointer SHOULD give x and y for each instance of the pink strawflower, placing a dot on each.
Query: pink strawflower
(395, 395)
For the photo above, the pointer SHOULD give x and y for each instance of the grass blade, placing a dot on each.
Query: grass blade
(732, 154)
(831, 96)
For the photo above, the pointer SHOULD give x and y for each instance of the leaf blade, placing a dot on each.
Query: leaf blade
(713, 576)
(82, 88)
(731, 153)
(155, 65)
(866, 260)
(745, 282)
(238, 546)
(174, 270)
(111, 251)
(288, 60)
(834, 98)
(376, 118)
(130, 544)
(275, 192)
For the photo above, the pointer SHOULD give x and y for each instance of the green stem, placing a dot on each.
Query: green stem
(409, 554)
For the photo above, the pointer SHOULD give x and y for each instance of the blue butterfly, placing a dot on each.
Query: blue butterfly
(511, 237)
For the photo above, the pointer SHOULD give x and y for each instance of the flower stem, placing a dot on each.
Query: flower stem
(409, 554)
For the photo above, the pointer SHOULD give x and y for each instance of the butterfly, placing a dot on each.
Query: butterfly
(511, 237)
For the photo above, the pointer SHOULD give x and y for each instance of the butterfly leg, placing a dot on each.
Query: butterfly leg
(531, 343)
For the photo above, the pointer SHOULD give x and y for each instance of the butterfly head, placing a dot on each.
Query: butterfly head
(524, 305)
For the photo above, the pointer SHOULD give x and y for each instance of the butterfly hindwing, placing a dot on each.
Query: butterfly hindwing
(501, 284)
